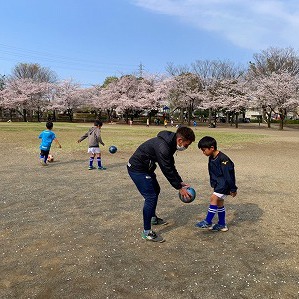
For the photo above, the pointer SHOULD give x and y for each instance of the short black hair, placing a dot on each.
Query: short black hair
(207, 142)
(49, 125)
(98, 123)
(186, 133)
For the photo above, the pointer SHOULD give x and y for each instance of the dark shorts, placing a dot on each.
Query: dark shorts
(44, 153)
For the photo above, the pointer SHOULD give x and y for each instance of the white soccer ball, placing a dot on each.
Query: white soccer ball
(50, 158)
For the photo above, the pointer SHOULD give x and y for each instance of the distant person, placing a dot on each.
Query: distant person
(222, 180)
(165, 123)
(141, 168)
(94, 141)
(147, 122)
(47, 137)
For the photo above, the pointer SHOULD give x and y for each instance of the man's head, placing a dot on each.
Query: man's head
(184, 137)
(208, 145)
(49, 125)
(98, 123)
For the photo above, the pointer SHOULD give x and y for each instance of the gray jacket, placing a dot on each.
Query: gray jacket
(94, 137)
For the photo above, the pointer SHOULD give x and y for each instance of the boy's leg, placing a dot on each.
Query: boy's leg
(99, 160)
(207, 223)
(43, 157)
(221, 212)
(212, 208)
(221, 225)
(91, 158)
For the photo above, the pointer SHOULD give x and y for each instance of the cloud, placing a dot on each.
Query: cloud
(247, 24)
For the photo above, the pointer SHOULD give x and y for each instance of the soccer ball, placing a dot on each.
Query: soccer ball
(192, 192)
(112, 149)
(50, 158)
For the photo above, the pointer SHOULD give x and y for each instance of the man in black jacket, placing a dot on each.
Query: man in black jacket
(141, 167)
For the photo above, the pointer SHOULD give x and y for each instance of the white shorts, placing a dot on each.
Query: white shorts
(221, 196)
(93, 150)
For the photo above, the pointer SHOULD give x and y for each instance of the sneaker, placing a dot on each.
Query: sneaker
(204, 225)
(158, 221)
(102, 168)
(91, 167)
(44, 163)
(152, 236)
(219, 228)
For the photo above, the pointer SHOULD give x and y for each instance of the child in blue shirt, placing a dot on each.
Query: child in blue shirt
(47, 138)
(222, 180)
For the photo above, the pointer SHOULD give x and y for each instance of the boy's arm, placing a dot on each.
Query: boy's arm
(101, 141)
(59, 145)
(229, 175)
(83, 137)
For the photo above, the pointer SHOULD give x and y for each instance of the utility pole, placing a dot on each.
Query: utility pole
(140, 70)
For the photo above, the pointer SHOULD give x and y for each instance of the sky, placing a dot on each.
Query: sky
(89, 40)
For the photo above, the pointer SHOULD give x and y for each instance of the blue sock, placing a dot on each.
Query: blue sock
(99, 162)
(146, 231)
(211, 213)
(91, 161)
(221, 216)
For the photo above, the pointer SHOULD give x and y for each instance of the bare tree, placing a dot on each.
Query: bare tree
(33, 71)
(274, 60)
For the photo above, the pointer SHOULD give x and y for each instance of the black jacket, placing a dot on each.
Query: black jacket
(222, 174)
(159, 150)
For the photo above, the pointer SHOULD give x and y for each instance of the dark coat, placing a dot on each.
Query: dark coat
(159, 150)
(222, 174)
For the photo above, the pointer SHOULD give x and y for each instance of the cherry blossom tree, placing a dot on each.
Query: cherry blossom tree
(186, 93)
(129, 95)
(68, 97)
(25, 95)
(277, 93)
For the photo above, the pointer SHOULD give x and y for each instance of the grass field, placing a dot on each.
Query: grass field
(67, 232)
(125, 137)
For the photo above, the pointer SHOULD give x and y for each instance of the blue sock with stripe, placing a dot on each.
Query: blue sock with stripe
(221, 215)
(211, 213)
(99, 162)
(91, 161)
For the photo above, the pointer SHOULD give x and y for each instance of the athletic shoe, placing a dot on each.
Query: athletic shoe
(91, 167)
(158, 221)
(152, 236)
(204, 225)
(102, 168)
(219, 228)
(44, 163)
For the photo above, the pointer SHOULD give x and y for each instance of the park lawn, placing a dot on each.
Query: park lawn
(125, 137)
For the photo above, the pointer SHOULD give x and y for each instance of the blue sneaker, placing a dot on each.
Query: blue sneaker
(204, 225)
(219, 228)
(102, 168)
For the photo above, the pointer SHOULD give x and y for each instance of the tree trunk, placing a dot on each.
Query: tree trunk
(282, 117)
(237, 120)
(210, 116)
(38, 114)
(70, 114)
(24, 115)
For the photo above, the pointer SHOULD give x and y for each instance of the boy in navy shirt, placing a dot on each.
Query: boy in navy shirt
(222, 180)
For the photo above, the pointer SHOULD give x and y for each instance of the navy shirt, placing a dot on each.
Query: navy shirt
(222, 174)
